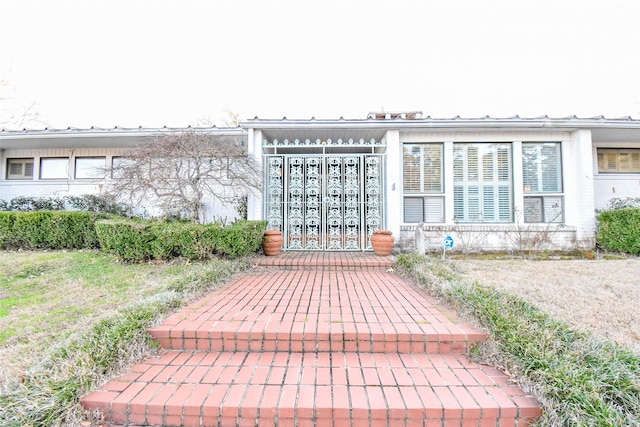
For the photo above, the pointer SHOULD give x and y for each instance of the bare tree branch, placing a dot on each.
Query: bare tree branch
(177, 172)
(16, 113)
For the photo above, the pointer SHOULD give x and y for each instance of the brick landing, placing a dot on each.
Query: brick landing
(326, 261)
(346, 344)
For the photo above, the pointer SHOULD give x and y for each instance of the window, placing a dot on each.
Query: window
(542, 180)
(54, 168)
(424, 209)
(19, 168)
(90, 167)
(482, 182)
(620, 160)
(422, 183)
(118, 164)
(422, 168)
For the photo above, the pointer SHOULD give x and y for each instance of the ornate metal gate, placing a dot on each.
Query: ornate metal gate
(325, 202)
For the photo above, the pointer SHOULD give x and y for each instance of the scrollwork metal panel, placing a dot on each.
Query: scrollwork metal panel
(275, 193)
(373, 195)
(325, 202)
(352, 209)
(334, 204)
(313, 199)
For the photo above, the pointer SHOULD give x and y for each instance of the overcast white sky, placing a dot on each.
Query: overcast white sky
(175, 63)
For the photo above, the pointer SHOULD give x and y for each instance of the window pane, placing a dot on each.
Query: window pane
(489, 204)
(504, 204)
(422, 168)
(472, 163)
(473, 203)
(530, 168)
(622, 160)
(423, 209)
(413, 209)
(90, 167)
(541, 167)
(504, 163)
(551, 168)
(543, 209)
(458, 204)
(433, 209)
(120, 164)
(19, 168)
(54, 168)
(533, 209)
(482, 182)
(411, 168)
(432, 168)
(15, 168)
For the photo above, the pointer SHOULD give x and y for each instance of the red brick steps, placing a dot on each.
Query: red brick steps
(331, 311)
(353, 346)
(260, 388)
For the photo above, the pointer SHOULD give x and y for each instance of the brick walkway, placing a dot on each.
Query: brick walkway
(315, 339)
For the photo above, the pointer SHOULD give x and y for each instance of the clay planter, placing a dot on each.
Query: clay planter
(272, 242)
(382, 242)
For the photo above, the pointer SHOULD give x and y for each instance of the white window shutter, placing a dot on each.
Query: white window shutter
(413, 209)
(434, 209)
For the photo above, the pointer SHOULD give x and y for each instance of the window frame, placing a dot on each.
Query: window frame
(542, 203)
(102, 169)
(22, 161)
(617, 151)
(43, 160)
(428, 200)
(480, 177)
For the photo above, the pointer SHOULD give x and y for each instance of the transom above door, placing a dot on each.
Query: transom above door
(325, 202)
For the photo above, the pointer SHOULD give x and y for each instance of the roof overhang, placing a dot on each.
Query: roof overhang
(603, 129)
(98, 137)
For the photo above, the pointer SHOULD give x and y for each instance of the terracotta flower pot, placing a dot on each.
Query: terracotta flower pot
(382, 242)
(272, 242)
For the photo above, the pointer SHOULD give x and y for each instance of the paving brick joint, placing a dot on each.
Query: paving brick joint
(305, 339)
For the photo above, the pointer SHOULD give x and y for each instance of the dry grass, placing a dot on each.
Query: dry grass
(580, 380)
(601, 296)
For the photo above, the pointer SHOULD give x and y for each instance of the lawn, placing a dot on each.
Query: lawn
(70, 319)
(580, 378)
(45, 296)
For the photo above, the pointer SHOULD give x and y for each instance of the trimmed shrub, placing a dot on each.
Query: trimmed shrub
(242, 238)
(135, 241)
(180, 239)
(7, 236)
(619, 230)
(129, 240)
(48, 230)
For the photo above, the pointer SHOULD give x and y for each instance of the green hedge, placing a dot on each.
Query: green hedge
(242, 238)
(48, 230)
(619, 230)
(130, 239)
(135, 241)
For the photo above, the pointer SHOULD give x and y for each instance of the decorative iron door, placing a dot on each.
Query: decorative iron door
(325, 202)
